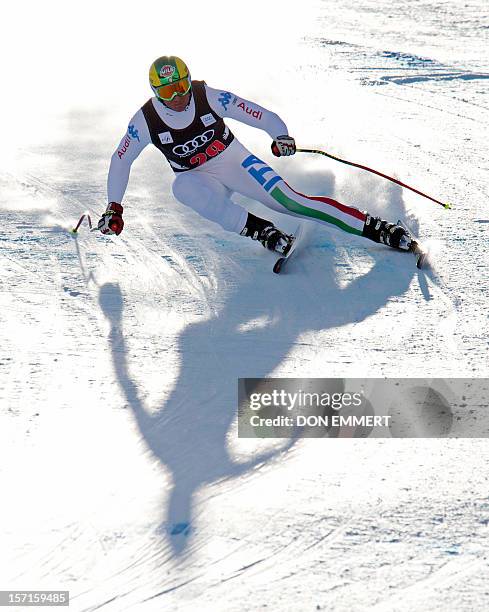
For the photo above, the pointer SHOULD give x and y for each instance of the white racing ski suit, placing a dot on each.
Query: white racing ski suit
(210, 163)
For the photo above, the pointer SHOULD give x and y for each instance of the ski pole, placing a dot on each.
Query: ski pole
(446, 205)
(87, 216)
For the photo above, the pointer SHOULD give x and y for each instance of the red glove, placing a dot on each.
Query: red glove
(111, 221)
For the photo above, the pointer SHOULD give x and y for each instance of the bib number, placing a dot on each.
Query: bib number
(212, 150)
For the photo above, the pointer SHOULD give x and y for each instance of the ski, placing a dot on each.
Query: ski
(280, 263)
(416, 248)
(420, 254)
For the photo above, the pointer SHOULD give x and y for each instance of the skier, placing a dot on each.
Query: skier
(184, 120)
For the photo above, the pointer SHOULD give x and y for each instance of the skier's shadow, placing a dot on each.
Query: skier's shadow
(189, 434)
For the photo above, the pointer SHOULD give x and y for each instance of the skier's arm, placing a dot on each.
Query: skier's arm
(132, 143)
(228, 105)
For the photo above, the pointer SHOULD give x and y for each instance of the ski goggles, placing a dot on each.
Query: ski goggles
(170, 91)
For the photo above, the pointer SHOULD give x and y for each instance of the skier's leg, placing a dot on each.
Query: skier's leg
(211, 199)
(207, 196)
(253, 178)
(268, 187)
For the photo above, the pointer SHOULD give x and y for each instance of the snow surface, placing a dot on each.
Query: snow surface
(121, 474)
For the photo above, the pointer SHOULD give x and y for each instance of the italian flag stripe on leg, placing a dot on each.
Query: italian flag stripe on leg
(357, 217)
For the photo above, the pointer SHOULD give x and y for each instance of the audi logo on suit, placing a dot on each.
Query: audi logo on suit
(192, 145)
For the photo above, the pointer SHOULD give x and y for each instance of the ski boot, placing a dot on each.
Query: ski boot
(395, 236)
(275, 240)
(265, 232)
